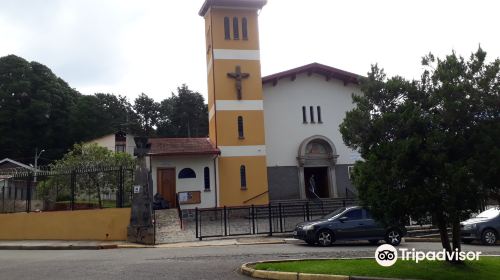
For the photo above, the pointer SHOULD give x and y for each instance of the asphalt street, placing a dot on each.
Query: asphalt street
(215, 262)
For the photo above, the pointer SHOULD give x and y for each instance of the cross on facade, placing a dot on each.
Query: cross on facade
(238, 76)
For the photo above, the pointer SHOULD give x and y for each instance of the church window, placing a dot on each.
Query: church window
(311, 113)
(304, 114)
(319, 114)
(120, 148)
(350, 170)
(241, 135)
(186, 173)
(227, 34)
(236, 29)
(206, 177)
(244, 27)
(243, 177)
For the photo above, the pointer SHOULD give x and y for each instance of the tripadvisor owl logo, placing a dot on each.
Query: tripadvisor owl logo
(386, 255)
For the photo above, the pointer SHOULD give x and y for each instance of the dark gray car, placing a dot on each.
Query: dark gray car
(484, 227)
(351, 223)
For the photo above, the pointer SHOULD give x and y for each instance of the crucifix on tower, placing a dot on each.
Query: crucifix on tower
(238, 76)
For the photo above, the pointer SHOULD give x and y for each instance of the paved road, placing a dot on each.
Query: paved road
(218, 262)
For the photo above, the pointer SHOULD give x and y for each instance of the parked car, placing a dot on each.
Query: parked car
(351, 223)
(484, 227)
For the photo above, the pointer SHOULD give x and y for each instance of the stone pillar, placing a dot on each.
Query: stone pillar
(141, 228)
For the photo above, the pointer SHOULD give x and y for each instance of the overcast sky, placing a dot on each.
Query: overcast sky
(129, 47)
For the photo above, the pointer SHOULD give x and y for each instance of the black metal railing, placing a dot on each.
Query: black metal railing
(280, 217)
(68, 189)
(179, 211)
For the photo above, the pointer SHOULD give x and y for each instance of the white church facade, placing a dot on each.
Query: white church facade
(303, 108)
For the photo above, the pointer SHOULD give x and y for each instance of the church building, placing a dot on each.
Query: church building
(270, 138)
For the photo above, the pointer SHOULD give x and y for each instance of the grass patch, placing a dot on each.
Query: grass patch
(485, 268)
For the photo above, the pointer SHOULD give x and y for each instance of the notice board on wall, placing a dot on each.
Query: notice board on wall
(192, 197)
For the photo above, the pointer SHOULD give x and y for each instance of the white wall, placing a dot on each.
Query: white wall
(283, 116)
(108, 141)
(129, 144)
(197, 163)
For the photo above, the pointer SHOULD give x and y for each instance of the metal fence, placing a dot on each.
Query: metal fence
(24, 190)
(262, 219)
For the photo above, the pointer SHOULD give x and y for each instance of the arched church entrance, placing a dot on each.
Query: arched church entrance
(317, 157)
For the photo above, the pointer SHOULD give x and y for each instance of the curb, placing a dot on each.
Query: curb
(421, 239)
(248, 270)
(134, 245)
(65, 247)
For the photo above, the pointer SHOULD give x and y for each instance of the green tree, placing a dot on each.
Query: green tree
(91, 162)
(147, 111)
(183, 115)
(429, 146)
(35, 107)
(102, 113)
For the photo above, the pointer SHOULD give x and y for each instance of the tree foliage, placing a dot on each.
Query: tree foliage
(430, 147)
(95, 167)
(34, 109)
(183, 115)
(148, 112)
(102, 113)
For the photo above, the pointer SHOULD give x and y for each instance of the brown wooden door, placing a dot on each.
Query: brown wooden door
(166, 185)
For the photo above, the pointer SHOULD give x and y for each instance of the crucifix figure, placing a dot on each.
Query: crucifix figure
(238, 76)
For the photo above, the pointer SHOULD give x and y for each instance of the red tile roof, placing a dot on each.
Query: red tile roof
(182, 146)
(327, 71)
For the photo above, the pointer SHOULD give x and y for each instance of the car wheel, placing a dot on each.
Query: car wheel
(467, 241)
(374, 241)
(324, 237)
(393, 237)
(489, 237)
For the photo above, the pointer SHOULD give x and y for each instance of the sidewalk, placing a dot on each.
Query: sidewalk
(98, 245)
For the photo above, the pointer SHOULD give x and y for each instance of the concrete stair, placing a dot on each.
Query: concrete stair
(168, 228)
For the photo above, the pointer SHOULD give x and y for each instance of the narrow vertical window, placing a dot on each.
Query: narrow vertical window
(236, 29)
(304, 114)
(319, 114)
(227, 34)
(206, 173)
(243, 177)
(241, 135)
(311, 113)
(350, 169)
(244, 29)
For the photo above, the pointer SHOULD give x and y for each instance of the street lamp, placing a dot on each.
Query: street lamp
(37, 156)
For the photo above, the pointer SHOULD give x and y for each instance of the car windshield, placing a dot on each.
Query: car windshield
(334, 213)
(490, 213)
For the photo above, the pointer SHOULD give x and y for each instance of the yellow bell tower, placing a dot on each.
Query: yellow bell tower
(236, 113)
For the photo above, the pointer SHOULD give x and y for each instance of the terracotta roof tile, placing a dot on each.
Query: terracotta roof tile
(182, 146)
